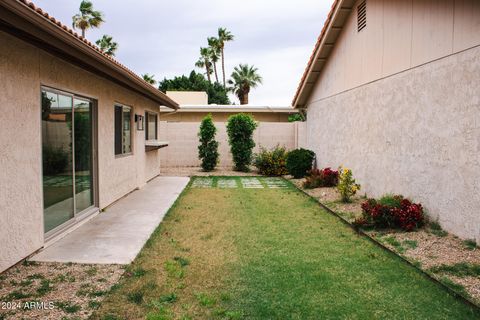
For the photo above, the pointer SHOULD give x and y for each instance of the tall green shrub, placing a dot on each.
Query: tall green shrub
(208, 148)
(240, 128)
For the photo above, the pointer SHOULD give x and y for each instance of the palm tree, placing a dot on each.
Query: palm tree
(107, 45)
(204, 62)
(244, 78)
(213, 44)
(150, 78)
(87, 18)
(223, 36)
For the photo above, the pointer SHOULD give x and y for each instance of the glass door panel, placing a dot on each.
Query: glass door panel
(83, 154)
(57, 159)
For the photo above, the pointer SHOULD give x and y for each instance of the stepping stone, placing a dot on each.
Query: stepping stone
(226, 183)
(275, 183)
(251, 183)
(202, 183)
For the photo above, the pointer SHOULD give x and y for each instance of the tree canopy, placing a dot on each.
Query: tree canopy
(196, 82)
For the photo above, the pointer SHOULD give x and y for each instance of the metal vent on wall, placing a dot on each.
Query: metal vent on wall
(362, 15)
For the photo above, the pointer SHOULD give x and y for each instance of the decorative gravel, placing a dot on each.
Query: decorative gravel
(55, 290)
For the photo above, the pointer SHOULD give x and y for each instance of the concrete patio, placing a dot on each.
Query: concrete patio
(117, 235)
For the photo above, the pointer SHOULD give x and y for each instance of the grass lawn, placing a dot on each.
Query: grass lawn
(269, 254)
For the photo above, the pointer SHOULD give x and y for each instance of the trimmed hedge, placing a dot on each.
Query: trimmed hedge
(240, 128)
(299, 162)
(208, 148)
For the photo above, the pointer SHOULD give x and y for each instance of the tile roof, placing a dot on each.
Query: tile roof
(315, 50)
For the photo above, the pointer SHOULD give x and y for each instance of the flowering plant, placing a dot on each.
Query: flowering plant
(393, 212)
(321, 178)
(347, 185)
(271, 162)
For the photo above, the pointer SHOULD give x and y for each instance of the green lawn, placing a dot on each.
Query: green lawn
(269, 254)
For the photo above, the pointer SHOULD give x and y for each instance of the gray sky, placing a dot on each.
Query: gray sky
(163, 37)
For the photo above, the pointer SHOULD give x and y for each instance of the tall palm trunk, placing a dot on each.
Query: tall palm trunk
(223, 67)
(208, 70)
(215, 69)
(244, 96)
(83, 32)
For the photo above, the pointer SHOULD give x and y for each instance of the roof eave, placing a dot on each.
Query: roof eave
(332, 28)
(80, 47)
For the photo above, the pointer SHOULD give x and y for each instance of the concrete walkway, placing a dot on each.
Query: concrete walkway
(117, 235)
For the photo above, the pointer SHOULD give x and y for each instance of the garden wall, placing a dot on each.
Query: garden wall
(183, 141)
(415, 133)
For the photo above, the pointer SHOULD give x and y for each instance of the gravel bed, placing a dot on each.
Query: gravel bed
(55, 290)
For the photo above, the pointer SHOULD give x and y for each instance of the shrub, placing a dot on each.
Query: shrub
(346, 184)
(321, 178)
(296, 117)
(299, 161)
(208, 148)
(240, 128)
(391, 200)
(271, 162)
(397, 212)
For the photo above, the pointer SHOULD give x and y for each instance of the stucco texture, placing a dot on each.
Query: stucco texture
(223, 116)
(415, 133)
(182, 150)
(23, 70)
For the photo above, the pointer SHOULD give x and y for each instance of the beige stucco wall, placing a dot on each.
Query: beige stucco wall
(189, 97)
(415, 133)
(23, 69)
(400, 34)
(223, 116)
(182, 150)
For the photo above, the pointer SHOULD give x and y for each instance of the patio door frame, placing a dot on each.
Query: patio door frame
(77, 216)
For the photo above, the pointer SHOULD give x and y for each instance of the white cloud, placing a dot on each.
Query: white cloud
(163, 37)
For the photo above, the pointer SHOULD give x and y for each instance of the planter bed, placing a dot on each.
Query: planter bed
(445, 257)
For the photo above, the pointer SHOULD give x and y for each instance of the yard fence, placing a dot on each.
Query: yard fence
(183, 141)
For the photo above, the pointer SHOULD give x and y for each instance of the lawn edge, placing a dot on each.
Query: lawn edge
(455, 294)
(126, 267)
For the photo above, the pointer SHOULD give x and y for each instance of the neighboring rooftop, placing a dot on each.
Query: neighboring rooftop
(189, 97)
(231, 108)
(24, 20)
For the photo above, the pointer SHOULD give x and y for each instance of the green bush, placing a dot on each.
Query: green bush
(271, 162)
(391, 200)
(240, 128)
(208, 148)
(299, 161)
(296, 117)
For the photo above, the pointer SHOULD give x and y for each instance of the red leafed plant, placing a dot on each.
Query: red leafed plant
(409, 216)
(321, 178)
(393, 211)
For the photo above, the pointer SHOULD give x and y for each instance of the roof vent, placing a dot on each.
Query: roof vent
(362, 15)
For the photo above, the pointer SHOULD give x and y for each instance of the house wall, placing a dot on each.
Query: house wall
(23, 70)
(400, 35)
(223, 116)
(415, 133)
(182, 150)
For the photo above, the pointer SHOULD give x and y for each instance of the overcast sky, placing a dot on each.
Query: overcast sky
(163, 37)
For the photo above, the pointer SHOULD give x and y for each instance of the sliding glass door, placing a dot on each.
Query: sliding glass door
(67, 143)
